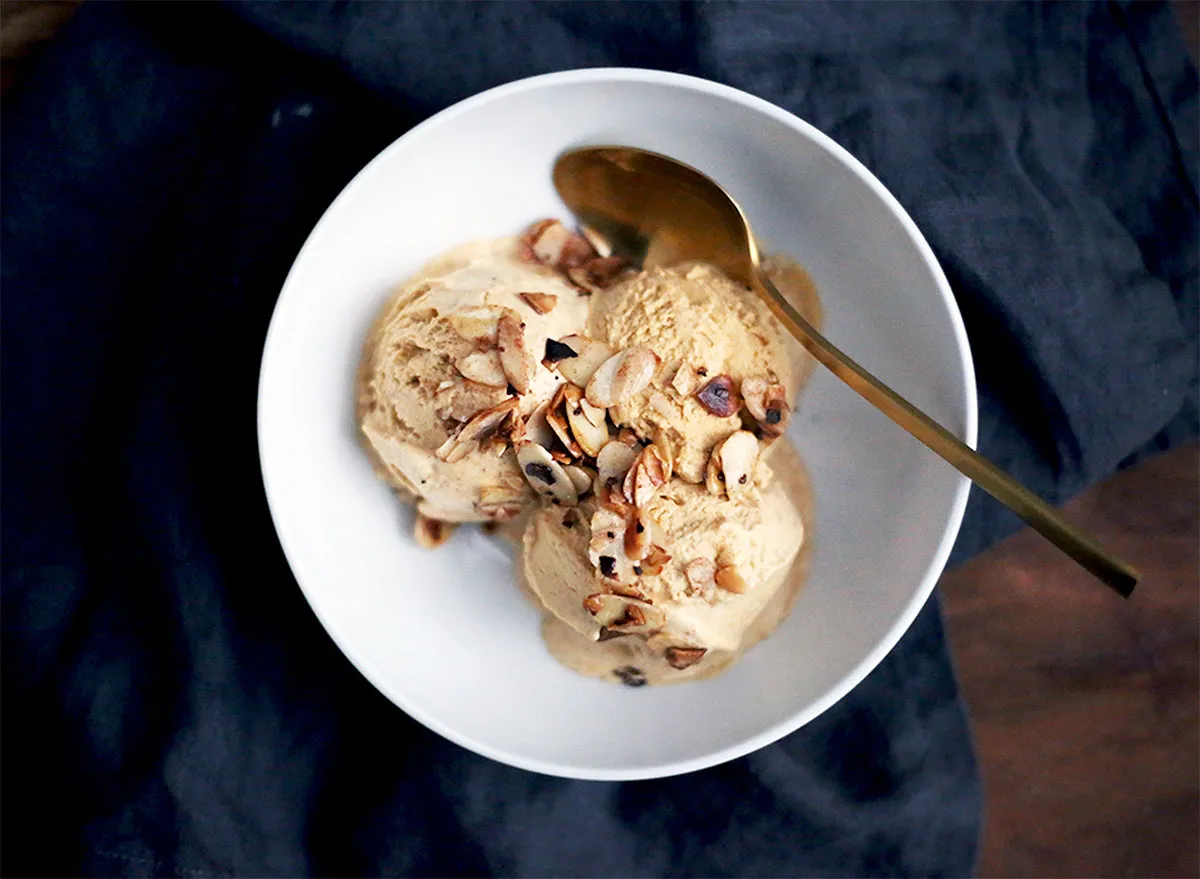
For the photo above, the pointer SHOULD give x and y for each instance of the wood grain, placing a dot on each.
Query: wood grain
(1085, 705)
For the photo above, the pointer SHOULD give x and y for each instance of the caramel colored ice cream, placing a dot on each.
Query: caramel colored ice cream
(432, 364)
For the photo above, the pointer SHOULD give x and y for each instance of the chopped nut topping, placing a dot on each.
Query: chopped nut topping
(542, 303)
(580, 478)
(476, 323)
(477, 429)
(553, 244)
(588, 358)
(483, 367)
(626, 615)
(516, 359)
(622, 376)
(598, 273)
(737, 456)
(684, 657)
(637, 536)
(685, 380)
(766, 401)
(730, 580)
(590, 436)
(700, 573)
(648, 474)
(546, 475)
(557, 421)
(718, 397)
(655, 561)
(432, 533)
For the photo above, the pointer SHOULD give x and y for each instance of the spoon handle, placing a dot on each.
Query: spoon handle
(1083, 548)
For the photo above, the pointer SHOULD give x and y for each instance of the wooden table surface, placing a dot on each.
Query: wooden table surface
(1084, 704)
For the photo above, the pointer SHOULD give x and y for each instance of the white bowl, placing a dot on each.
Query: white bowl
(446, 635)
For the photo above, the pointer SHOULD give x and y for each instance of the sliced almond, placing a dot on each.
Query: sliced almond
(432, 533)
(542, 303)
(718, 397)
(713, 476)
(590, 436)
(474, 431)
(612, 498)
(766, 401)
(637, 536)
(515, 357)
(546, 475)
(606, 549)
(685, 380)
(596, 415)
(598, 273)
(562, 457)
(737, 456)
(557, 421)
(730, 580)
(627, 436)
(536, 428)
(589, 355)
(483, 367)
(553, 244)
(663, 446)
(684, 657)
(622, 376)
(654, 562)
(628, 616)
(700, 573)
(476, 323)
(648, 474)
(580, 478)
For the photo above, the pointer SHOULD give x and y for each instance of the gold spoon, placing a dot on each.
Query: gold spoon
(655, 211)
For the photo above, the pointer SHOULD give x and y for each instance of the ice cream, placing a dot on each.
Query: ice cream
(636, 416)
(705, 328)
(697, 599)
(454, 358)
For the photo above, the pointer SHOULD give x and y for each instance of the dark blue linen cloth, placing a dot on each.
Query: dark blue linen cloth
(172, 707)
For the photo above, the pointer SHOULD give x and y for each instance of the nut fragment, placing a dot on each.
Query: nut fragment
(606, 549)
(684, 657)
(718, 397)
(663, 446)
(637, 536)
(700, 573)
(476, 323)
(515, 357)
(557, 421)
(730, 580)
(432, 533)
(685, 380)
(614, 462)
(553, 244)
(580, 478)
(542, 303)
(628, 616)
(736, 455)
(648, 475)
(483, 367)
(627, 436)
(474, 431)
(766, 401)
(536, 428)
(546, 475)
(622, 376)
(589, 355)
(598, 273)
(654, 562)
(590, 436)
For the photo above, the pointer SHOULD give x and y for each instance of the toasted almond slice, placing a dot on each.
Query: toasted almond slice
(700, 573)
(622, 376)
(637, 536)
(590, 436)
(654, 562)
(663, 446)
(713, 475)
(598, 273)
(546, 475)
(542, 303)
(629, 484)
(483, 425)
(648, 477)
(562, 457)
(627, 436)
(606, 549)
(597, 416)
(730, 580)
(588, 358)
(558, 423)
(483, 367)
(537, 429)
(553, 244)
(718, 397)
(580, 478)
(515, 357)
(431, 533)
(476, 323)
(737, 456)
(684, 657)
(612, 498)
(685, 380)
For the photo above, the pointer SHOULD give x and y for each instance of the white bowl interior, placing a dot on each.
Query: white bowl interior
(445, 634)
